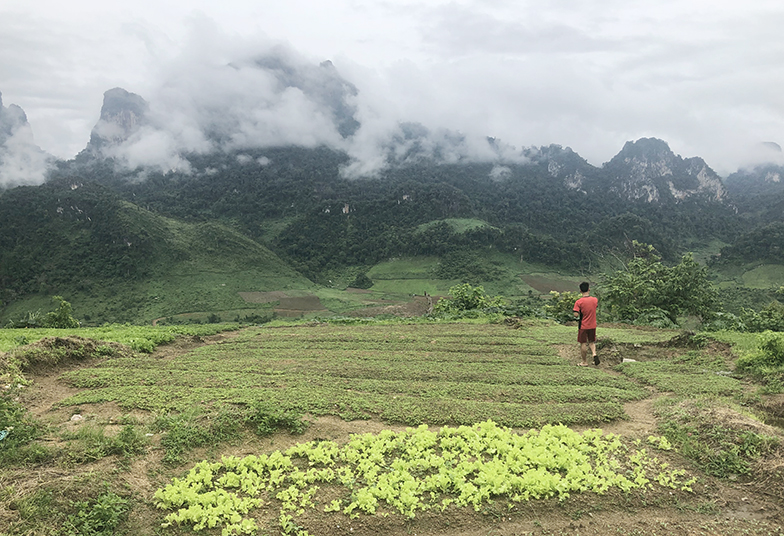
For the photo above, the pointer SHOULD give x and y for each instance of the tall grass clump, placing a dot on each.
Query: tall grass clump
(767, 361)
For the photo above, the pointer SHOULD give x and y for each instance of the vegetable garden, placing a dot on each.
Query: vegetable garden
(466, 419)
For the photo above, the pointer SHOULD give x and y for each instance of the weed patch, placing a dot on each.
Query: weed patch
(96, 518)
(192, 429)
(716, 444)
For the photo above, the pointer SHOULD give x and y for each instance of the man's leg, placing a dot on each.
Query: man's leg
(584, 352)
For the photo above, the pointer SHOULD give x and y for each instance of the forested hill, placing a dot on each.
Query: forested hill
(291, 211)
(79, 237)
(295, 201)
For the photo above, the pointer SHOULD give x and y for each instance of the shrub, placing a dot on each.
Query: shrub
(561, 306)
(467, 298)
(769, 354)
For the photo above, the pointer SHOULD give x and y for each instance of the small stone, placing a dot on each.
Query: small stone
(76, 418)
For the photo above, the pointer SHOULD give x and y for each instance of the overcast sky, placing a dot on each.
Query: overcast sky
(705, 76)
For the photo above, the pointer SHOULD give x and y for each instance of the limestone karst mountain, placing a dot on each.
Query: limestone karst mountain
(122, 114)
(647, 169)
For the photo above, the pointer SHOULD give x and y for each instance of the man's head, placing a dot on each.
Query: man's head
(584, 286)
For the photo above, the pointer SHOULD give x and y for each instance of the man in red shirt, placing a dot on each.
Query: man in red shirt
(585, 312)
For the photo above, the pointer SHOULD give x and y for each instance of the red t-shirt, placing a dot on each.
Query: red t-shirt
(586, 306)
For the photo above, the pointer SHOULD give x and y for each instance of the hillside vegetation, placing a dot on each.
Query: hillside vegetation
(140, 245)
(118, 262)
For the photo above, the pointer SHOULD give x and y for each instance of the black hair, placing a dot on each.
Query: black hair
(584, 286)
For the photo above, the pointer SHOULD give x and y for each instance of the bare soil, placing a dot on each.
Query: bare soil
(717, 507)
(546, 284)
(418, 306)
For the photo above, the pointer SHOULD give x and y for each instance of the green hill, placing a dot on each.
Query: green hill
(124, 263)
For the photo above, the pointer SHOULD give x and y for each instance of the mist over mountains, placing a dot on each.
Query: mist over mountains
(21, 160)
(278, 98)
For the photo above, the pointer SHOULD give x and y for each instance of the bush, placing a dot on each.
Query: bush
(467, 298)
(769, 354)
(561, 306)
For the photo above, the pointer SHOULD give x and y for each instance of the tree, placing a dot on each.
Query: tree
(62, 317)
(467, 298)
(647, 291)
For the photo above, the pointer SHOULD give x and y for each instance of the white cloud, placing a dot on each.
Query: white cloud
(704, 76)
(21, 161)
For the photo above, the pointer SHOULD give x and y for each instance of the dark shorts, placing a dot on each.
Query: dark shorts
(586, 335)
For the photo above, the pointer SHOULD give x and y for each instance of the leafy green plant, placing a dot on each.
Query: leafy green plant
(409, 472)
(99, 517)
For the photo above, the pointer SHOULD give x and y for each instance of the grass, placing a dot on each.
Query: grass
(690, 374)
(700, 429)
(764, 276)
(421, 268)
(458, 225)
(416, 275)
(266, 378)
(143, 338)
(409, 374)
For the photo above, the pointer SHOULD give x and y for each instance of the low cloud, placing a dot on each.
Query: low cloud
(226, 94)
(22, 162)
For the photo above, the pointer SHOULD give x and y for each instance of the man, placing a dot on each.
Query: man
(585, 312)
